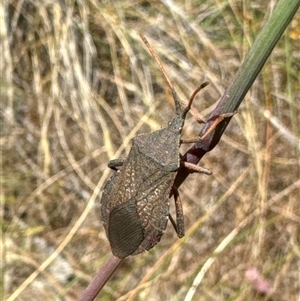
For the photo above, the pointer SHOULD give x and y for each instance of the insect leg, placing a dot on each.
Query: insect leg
(216, 121)
(179, 213)
(113, 164)
(195, 168)
(172, 222)
(179, 225)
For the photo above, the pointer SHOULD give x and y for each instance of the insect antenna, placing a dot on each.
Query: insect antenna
(195, 93)
(175, 96)
(188, 107)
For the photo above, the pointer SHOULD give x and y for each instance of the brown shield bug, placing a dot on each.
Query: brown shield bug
(135, 200)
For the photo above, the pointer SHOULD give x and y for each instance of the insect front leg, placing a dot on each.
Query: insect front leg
(113, 164)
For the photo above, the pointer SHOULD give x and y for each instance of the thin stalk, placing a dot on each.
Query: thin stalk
(241, 83)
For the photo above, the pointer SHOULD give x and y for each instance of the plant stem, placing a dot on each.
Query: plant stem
(244, 78)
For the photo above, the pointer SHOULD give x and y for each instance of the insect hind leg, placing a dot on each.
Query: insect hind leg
(179, 224)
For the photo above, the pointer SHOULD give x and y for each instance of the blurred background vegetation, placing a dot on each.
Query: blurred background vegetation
(77, 83)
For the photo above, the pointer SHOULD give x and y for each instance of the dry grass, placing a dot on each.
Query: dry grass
(77, 83)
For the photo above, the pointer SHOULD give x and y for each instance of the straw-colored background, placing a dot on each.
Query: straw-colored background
(77, 82)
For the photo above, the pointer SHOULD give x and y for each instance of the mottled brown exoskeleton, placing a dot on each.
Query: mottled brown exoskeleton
(135, 200)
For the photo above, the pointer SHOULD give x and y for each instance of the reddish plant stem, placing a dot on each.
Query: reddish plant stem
(102, 276)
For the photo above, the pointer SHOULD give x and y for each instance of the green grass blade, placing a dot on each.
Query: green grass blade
(255, 60)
